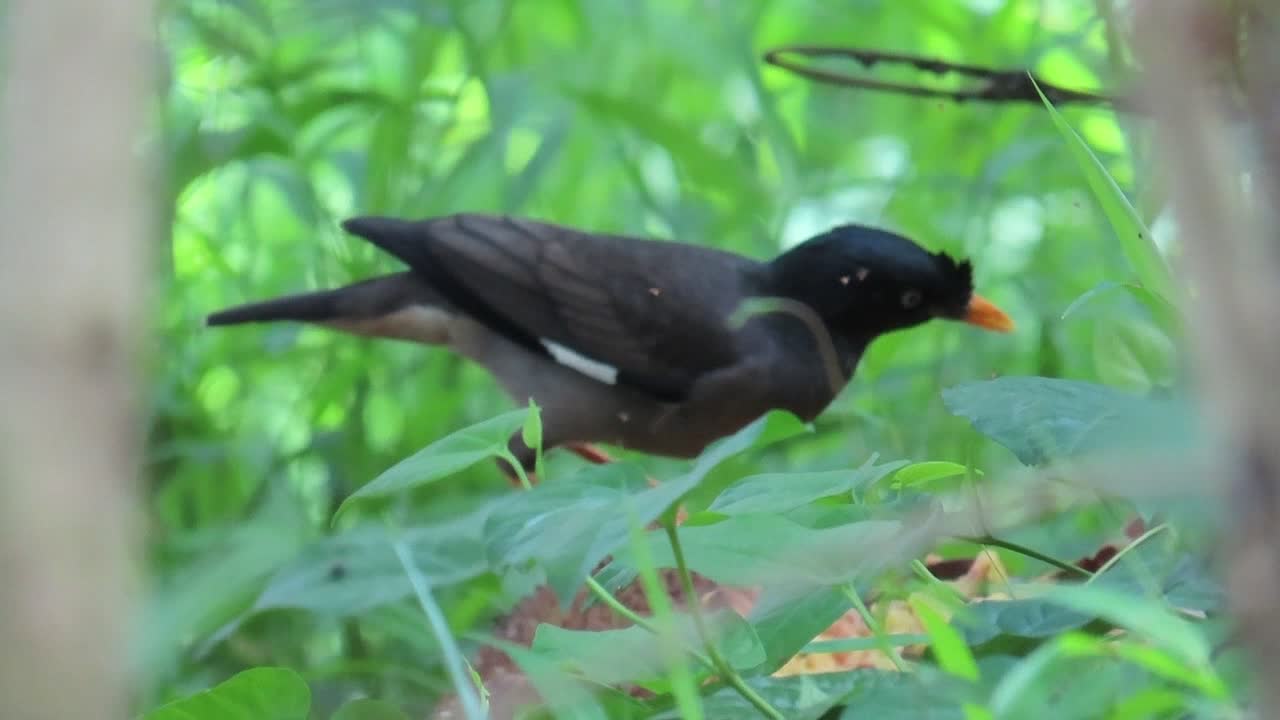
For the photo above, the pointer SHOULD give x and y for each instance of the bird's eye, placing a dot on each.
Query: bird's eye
(911, 298)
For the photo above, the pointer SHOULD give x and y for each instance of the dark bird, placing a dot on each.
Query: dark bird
(649, 345)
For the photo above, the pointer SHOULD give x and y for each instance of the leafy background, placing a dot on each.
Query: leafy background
(281, 118)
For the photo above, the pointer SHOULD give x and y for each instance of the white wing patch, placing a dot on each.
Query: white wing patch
(593, 369)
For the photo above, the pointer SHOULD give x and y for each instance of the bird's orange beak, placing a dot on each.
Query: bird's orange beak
(983, 313)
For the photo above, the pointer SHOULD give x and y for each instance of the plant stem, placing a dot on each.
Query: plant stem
(453, 661)
(608, 599)
(1127, 549)
(515, 465)
(640, 621)
(1028, 552)
(882, 641)
(684, 687)
(729, 675)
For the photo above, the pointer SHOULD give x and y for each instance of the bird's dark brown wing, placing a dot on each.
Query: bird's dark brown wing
(648, 314)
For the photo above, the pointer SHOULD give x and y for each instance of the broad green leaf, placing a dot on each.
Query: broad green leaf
(1032, 687)
(565, 527)
(1144, 616)
(633, 654)
(925, 475)
(787, 618)
(1042, 419)
(1135, 239)
(765, 549)
(444, 457)
(568, 526)
(948, 646)
(368, 709)
(264, 692)
(353, 572)
(1024, 617)
(780, 492)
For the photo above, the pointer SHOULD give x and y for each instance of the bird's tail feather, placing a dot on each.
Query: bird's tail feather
(302, 307)
(394, 306)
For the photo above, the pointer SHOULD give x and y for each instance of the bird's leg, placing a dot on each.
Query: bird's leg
(593, 454)
(590, 453)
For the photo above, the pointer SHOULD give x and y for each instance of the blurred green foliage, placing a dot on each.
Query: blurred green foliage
(280, 118)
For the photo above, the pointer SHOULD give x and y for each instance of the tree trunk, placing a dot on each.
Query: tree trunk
(71, 277)
(1217, 119)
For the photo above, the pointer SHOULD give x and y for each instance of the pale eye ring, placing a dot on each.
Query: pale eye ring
(911, 298)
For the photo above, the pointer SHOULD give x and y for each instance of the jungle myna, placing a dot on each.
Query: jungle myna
(645, 344)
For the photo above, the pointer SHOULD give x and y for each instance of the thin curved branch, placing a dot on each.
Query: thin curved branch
(990, 85)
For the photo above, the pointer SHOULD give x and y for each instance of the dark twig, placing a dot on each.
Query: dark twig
(993, 86)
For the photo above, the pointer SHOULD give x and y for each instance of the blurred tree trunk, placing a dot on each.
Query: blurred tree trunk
(1213, 81)
(71, 276)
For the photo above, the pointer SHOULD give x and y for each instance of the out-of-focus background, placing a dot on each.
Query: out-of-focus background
(646, 118)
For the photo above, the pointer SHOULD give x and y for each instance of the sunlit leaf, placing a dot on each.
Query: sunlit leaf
(925, 475)
(264, 692)
(444, 457)
(948, 645)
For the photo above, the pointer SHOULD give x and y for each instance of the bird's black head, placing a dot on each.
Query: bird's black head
(864, 282)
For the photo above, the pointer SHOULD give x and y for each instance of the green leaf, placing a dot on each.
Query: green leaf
(1135, 239)
(1144, 616)
(925, 475)
(264, 692)
(780, 492)
(787, 618)
(351, 573)
(568, 526)
(1024, 617)
(531, 433)
(367, 709)
(1042, 419)
(565, 527)
(948, 646)
(766, 549)
(633, 654)
(444, 457)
